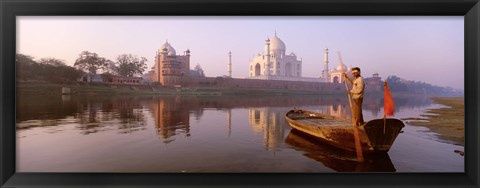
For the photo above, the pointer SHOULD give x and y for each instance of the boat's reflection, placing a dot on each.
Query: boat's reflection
(336, 159)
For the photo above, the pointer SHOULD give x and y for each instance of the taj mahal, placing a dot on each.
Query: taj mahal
(275, 64)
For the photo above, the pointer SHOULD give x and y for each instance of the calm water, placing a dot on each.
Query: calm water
(208, 134)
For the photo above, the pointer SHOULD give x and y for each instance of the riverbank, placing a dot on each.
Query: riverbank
(79, 89)
(106, 89)
(448, 122)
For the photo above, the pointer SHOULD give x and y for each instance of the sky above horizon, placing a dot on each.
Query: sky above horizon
(422, 48)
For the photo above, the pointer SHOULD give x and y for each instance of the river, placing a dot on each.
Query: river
(209, 134)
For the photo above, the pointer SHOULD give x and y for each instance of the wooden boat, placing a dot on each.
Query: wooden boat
(373, 136)
(338, 159)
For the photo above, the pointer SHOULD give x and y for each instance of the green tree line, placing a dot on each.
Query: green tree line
(56, 71)
(397, 84)
(46, 69)
(125, 65)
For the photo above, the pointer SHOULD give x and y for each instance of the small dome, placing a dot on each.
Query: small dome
(341, 67)
(170, 49)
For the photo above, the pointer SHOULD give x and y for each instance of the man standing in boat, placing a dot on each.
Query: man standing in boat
(358, 88)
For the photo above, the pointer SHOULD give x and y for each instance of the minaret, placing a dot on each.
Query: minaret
(155, 66)
(267, 65)
(230, 64)
(186, 68)
(325, 65)
(163, 54)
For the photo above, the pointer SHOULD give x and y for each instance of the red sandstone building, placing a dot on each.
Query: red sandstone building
(125, 80)
(111, 79)
(170, 68)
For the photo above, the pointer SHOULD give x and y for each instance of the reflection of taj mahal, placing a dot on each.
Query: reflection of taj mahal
(271, 123)
(337, 110)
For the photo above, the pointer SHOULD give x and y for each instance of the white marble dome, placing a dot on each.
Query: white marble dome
(276, 45)
(170, 49)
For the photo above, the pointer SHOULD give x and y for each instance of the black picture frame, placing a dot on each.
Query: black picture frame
(9, 9)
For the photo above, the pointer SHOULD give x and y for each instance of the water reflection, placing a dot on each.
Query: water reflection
(229, 122)
(230, 128)
(89, 114)
(338, 160)
(338, 110)
(270, 123)
(123, 113)
(171, 116)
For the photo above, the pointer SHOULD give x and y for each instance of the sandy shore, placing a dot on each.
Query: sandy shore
(448, 122)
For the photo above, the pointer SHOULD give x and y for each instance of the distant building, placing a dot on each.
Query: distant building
(336, 74)
(196, 74)
(114, 79)
(170, 68)
(374, 83)
(274, 62)
(110, 79)
(149, 76)
(91, 78)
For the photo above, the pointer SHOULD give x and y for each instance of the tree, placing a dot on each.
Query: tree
(90, 62)
(69, 74)
(24, 59)
(26, 67)
(52, 61)
(129, 65)
(110, 68)
(48, 69)
(396, 84)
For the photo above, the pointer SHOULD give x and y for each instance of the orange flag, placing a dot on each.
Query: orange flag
(388, 104)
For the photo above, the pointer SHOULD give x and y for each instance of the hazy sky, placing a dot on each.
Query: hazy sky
(429, 49)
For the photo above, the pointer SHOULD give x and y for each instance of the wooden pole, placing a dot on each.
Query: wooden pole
(384, 122)
(358, 146)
